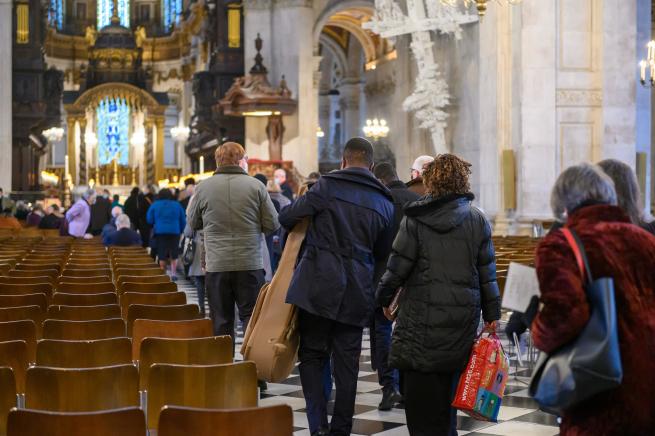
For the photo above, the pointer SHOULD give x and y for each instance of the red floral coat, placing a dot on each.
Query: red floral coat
(626, 253)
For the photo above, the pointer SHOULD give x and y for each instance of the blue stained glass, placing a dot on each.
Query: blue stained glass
(171, 10)
(112, 130)
(56, 13)
(105, 9)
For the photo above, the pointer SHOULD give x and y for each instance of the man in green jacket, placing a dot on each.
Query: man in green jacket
(233, 209)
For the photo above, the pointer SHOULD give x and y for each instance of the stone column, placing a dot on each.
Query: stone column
(70, 150)
(351, 91)
(6, 41)
(83, 176)
(149, 153)
(324, 123)
(159, 150)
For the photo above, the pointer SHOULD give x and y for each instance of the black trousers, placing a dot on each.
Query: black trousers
(320, 339)
(224, 290)
(427, 403)
(380, 346)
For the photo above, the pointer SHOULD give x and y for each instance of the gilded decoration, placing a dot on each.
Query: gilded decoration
(136, 97)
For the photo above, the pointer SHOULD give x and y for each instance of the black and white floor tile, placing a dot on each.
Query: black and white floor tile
(519, 414)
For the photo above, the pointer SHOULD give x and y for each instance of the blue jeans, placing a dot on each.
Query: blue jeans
(381, 345)
(199, 281)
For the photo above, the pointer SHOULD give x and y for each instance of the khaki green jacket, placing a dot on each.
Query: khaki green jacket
(232, 209)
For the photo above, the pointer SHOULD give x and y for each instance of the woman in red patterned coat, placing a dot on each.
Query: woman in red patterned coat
(586, 198)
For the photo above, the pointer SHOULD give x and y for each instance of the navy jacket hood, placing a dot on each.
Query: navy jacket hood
(441, 214)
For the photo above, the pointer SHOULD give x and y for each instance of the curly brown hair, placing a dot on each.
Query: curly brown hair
(446, 175)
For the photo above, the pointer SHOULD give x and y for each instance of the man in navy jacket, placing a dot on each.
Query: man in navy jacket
(351, 229)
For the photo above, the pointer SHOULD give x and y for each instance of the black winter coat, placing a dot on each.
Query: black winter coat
(100, 214)
(444, 257)
(352, 215)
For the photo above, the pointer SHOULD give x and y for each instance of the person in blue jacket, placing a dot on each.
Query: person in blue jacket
(168, 219)
(351, 229)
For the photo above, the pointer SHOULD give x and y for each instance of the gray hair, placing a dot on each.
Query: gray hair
(627, 188)
(89, 193)
(123, 222)
(580, 184)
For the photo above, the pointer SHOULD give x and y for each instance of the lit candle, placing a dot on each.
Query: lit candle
(642, 64)
(66, 167)
(202, 164)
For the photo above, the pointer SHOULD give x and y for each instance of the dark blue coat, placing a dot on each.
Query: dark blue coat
(122, 238)
(351, 229)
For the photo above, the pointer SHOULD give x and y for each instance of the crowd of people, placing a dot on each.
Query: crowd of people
(413, 262)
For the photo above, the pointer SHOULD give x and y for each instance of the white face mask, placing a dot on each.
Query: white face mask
(278, 180)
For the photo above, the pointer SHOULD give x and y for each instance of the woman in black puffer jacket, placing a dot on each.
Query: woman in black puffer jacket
(444, 258)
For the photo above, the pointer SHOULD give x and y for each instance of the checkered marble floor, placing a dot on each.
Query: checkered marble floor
(519, 414)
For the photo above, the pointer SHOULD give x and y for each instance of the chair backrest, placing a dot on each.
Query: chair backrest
(232, 386)
(52, 273)
(35, 288)
(87, 266)
(139, 272)
(84, 354)
(125, 422)
(270, 421)
(81, 389)
(24, 330)
(70, 272)
(84, 299)
(26, 280)
(14, 355)
(24, 300)
(81, 287)
(83, 330)
(32, 313)
(149, 287)
(37, 266)
(159, 299)
(84, 313)
(147, 328)
(195, 351)
(163, 313)
(7, 394)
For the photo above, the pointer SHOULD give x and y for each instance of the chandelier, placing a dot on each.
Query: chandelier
(319, 132)
(481, 5)
(376, 129)
(180, 133)
(54, 134)
(647, 67)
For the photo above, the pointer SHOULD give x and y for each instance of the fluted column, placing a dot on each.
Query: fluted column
(159, 153)
(148, 152)
(5, 94)
(70, 150)
(83, 176)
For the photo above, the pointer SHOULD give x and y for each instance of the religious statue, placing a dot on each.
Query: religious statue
(90, 35)
(140, 36)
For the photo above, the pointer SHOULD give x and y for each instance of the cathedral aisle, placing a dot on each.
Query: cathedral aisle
(519, 414)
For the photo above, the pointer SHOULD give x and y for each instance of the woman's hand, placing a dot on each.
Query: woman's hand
(387, 314)
(489, 327)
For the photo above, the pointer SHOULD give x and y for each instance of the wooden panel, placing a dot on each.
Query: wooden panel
(158, 299)
(84, 299)
(20, 331)
(162, 313)
(124, 422)
(84, 354)
(20, 313)
(84, 313)
(145, 328)
(83, 330)
(24, 300)
(14, 354)
(74, 287)
(7, 394)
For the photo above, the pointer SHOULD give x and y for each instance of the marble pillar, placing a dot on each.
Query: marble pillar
(6, 40)
(159, 148)
(351, 93)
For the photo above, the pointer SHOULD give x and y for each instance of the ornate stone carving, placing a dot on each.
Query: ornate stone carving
(382, 87)
(579, 97)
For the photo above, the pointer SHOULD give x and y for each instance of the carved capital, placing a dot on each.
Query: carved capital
(579, 97)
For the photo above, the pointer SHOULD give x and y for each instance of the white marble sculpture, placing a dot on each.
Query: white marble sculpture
(430, 95)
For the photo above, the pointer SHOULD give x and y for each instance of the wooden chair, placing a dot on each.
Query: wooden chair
(16, 289)
(24, 300)
(87, 267)
(214, 350)
(84, 313)
(85, 288)
(84, 354)
(26, 280)
(86, 260)
(84, 299)
(149, 287)
(83, 330)
(125, 422)
(143, 279)
(270, 421)
(70, 272)
(7, 394)
(146, 328)
(91, 278)
(20, 313)
(52, 273)
(82, 389)
(227, 386)
(24, 330)
(159, 299)
(14, 354)
(163, 313)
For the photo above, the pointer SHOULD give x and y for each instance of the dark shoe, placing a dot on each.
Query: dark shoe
(389, 399)
(321, 432)
(261, 384)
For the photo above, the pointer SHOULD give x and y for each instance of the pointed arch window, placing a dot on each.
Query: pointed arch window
(106, 8)
(113, 126)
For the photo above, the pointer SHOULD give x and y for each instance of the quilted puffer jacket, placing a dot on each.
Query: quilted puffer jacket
(444, 257)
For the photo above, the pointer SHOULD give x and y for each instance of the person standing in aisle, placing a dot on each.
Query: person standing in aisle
(167, 219)
(416, 183)
(351, 228)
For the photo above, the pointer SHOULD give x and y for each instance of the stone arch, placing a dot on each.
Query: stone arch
(135, 97)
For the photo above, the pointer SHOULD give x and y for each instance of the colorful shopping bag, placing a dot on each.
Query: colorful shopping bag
(482, 385)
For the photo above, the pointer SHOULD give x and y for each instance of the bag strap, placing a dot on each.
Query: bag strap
(580, 255)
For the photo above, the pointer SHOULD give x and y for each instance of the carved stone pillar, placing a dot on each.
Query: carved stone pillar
(149, 153)
(70, 137)
(350, 99)
(6, 42)
(159, 153)
(83, 176)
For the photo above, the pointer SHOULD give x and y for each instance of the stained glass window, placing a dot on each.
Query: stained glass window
(56, 13)
(106, 8)
(113, 126)
(171, 10)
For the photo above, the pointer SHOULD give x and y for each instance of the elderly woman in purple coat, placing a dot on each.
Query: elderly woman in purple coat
(79, 215)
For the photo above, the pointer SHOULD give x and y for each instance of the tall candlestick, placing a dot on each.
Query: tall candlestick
(202, 164)
(642, 64)
(66, 167)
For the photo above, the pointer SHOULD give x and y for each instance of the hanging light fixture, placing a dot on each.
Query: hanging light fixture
(54, 134)
(319, 132)
(481, 5)
(90, 139)
(647, 67)
(376, 129)
(180, 132)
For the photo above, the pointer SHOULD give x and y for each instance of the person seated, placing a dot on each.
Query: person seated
(21, 210)
(123, 236)
(111, 225)
(8, 221)
(52, 218)
(34, 217)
